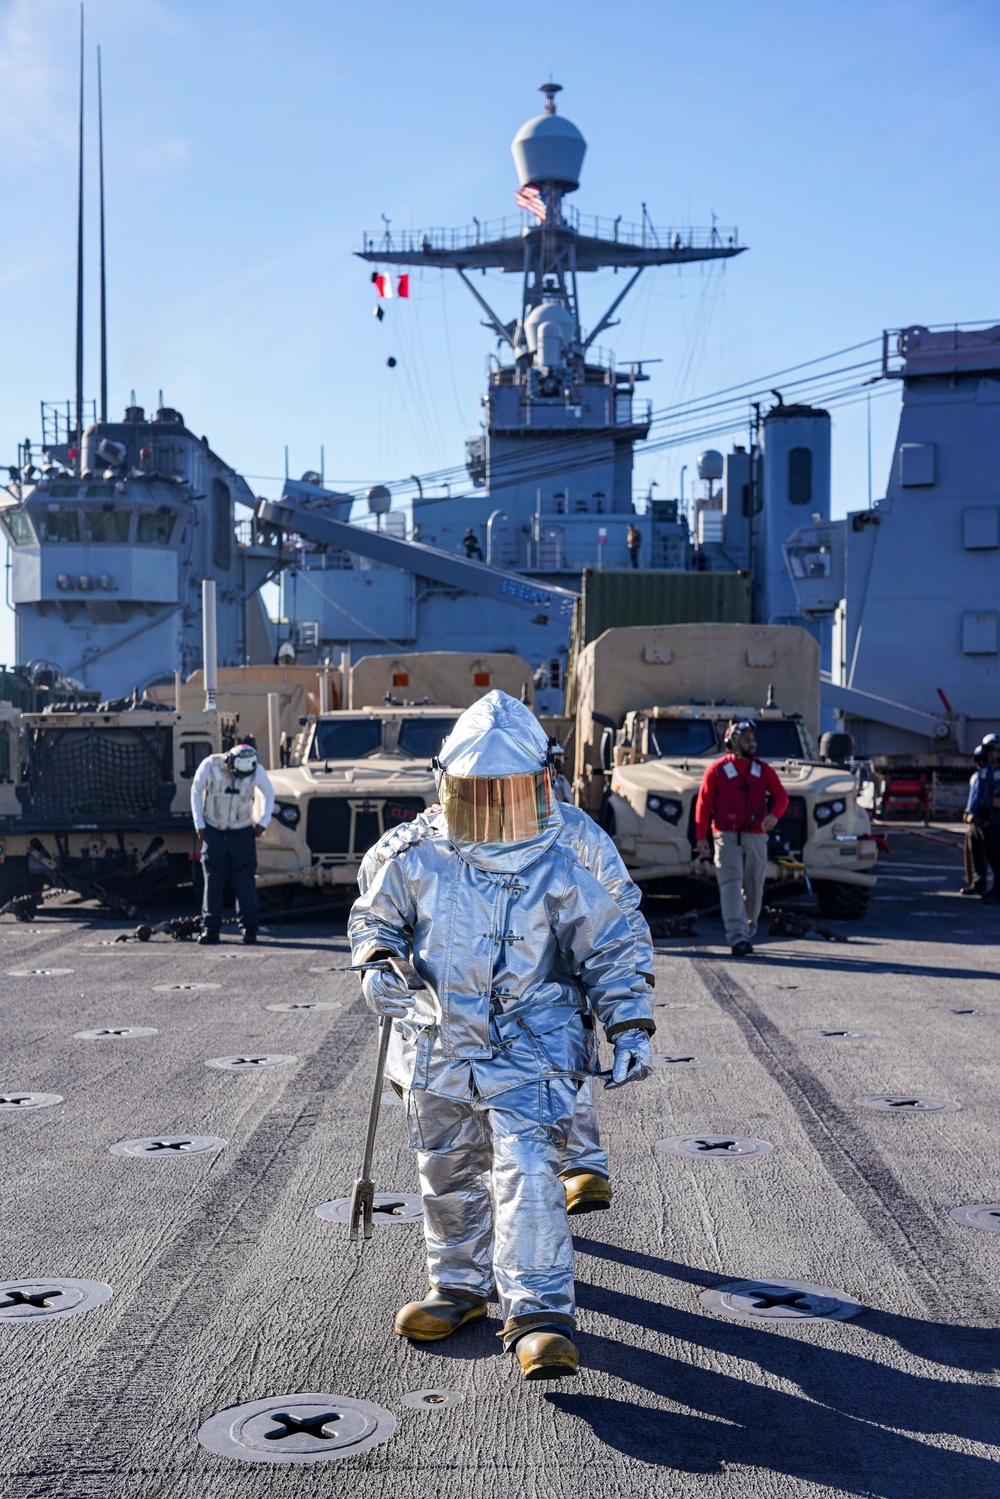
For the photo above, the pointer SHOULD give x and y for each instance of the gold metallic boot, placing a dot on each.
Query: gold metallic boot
(439, 1315)
(546, 1354)
(586, 1192)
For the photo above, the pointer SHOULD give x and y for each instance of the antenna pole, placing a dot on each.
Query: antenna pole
(79, 275)
(104, 311)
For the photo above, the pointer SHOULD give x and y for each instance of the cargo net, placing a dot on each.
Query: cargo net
(98, 775)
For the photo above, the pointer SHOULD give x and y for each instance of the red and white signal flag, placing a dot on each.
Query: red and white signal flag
(383, 285)
(532, 200)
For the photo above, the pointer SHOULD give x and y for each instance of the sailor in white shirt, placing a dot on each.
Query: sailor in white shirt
(222, 804)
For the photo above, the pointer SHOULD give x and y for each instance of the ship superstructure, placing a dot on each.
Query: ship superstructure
(107, 562)
(551, 474)
(911, 584)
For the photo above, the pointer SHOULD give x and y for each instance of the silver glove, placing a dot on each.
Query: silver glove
(386, 994)
(633, 1058)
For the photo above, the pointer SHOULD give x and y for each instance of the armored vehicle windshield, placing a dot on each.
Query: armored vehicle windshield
(423, 737)
(694, 738)
(351, 739)
(362, 738)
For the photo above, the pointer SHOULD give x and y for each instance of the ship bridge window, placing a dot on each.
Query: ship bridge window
(107, 525)
(680, 737)
(155, 528)
(222, 525)
(352, 740)
(21, 530)
(423, 737)
(800, 476)
(55, 524)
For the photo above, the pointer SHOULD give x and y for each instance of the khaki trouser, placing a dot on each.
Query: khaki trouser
(740, 865)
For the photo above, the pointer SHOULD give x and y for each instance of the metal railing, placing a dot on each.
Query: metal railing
(591, 226)
(944, 339)
(59, 421)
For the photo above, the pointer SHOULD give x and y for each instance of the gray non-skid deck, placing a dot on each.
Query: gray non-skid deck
(227, 1287)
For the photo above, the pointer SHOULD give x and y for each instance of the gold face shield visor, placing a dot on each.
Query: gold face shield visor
(497, 809)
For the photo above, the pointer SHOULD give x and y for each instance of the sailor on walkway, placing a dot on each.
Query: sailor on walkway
(222, 804)
(974, 853)
(984, 807)
(733, 801)
(518, 943)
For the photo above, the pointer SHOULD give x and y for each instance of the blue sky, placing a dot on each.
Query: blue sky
(248, 145)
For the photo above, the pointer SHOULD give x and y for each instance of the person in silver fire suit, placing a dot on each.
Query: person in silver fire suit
(516, 942)
(584, 1164)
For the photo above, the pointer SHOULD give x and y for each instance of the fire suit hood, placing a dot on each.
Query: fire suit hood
(498, 738)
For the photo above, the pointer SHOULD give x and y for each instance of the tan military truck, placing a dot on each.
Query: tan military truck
(652, 705)
(357, 772)
(100, 798)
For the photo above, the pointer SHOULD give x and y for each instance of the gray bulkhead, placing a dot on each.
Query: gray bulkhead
(913, 584)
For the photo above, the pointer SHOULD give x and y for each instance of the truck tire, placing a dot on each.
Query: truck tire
(15, 879)
(841, 902)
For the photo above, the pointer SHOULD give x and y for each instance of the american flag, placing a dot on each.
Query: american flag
(532, 200)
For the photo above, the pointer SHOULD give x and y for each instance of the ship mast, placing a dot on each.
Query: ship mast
(548, 153)
(79, 276)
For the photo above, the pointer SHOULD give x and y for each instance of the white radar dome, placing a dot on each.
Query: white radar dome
(710, 464)
(379, 500)
(557, 320)
(549, 148)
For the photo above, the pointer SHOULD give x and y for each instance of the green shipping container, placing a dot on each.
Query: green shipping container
(610, 600)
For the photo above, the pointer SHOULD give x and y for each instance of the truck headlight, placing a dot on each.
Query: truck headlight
(287, 813)
(827, 811)
(666, 807)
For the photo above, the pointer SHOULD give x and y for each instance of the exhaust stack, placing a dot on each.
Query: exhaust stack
(273, 730)
(209, 643)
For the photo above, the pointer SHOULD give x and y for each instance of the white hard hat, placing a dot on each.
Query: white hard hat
(243, 759)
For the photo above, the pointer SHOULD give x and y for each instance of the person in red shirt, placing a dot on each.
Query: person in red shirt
(741, 799)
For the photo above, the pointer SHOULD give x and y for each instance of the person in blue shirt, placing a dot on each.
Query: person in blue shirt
(974, 850)
(984, 808)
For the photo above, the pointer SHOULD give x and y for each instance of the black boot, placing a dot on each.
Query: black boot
(207, 939)
(250, 937)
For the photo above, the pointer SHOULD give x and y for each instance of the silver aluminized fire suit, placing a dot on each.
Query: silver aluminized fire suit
(596, 852)
(518, 942)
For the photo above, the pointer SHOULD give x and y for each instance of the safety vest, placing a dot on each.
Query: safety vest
(228, 797)
(740, 802)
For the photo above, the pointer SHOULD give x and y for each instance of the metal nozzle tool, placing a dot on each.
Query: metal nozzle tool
(363, 1192)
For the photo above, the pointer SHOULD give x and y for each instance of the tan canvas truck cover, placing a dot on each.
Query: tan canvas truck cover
(244, 690)
(453, 679)
(660, 666)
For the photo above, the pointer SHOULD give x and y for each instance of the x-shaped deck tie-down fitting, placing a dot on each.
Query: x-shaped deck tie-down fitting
(800, 1301)
(309, 1426)
(19, 1098)
(707, 1145)
(38, 1299)
(170, 1145)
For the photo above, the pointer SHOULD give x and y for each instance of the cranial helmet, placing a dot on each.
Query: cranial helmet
(495, 783)
(736, 728)
(242, 760)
